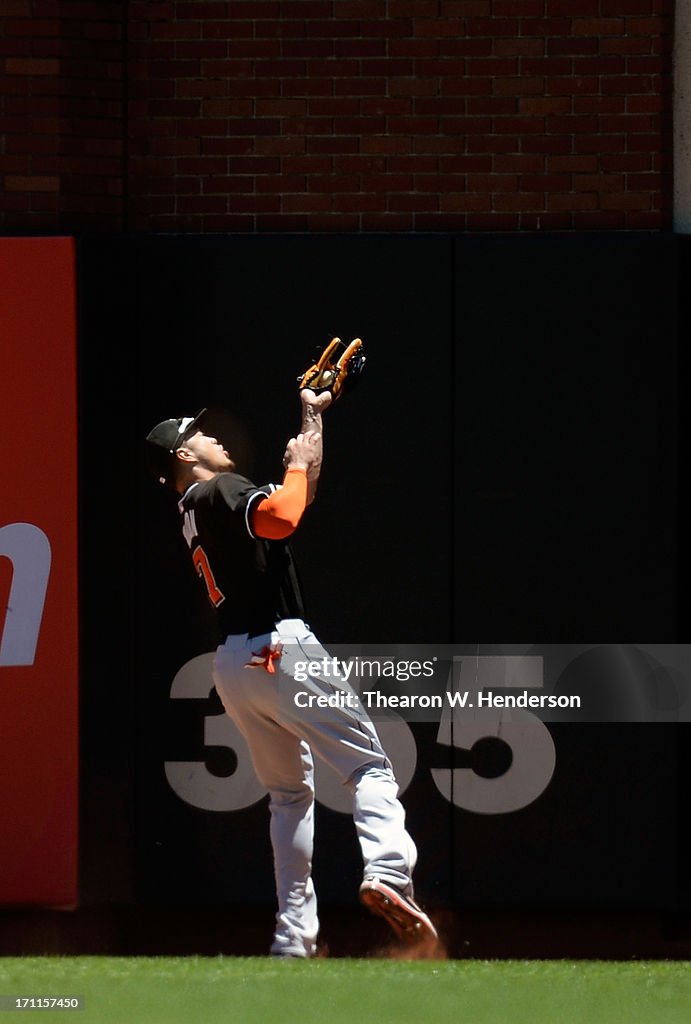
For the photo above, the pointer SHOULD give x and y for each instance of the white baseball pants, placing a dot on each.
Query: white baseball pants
(281, 738)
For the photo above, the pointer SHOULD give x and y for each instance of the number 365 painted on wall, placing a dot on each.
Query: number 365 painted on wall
(533, 756)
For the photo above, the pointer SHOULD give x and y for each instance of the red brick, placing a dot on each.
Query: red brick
(466, 201)
(492, 182)
(599, 143)
(544, 182)
(31, 66)
(572, 123)
(178, 30)
(599, 104)
(520, 47)
(148, 10)
(544, 105)
(626, 7)
(572, 163)
(598, 182)
(333, 222)
(389, 222)
(257, 49)
(518, 202)
(519, 8)
(519, 86)
(627, 45)
(437, 28)
(385, 144)
(301, 87)
(627, 123)
(552, 144)
(492, 222)
(546, 66)
(416, 164)
(415, 203)
(360, 48)
(383, 106)
(465, 86)
(492, 105)
(649, 26)
(642, 183)
(309, 126)
(200, 50)
(642, 143)
(566, 7)
(598, 220)
(571, 45)
(465, 48)
(416, 125)
(519, 163)
(31, 144)
(440, 182)
(32, 183)
(416, 48)
(645, 104)
(359, 203)
(572, 201)
(599, 27)
(291, 145)
(333, 145)
(306, 203)
(412, 8)
(574, 86)
(627, 84)
(429, 144)
(34, 27)
(494, 66)
(333, 107)
(413, 87)
(228, 30)
(495, 144)
(627, 162)
(626, 201)
(360, 9)
(203, 204)
(493, 27)
(465, 8)
(545, 27)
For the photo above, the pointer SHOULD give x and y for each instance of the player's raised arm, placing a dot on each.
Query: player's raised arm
(278, 515)
(336, 370)
(312, 408)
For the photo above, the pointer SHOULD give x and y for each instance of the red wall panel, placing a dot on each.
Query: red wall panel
(38, 573)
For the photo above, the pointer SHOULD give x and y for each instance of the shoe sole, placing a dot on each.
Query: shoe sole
(410, 925)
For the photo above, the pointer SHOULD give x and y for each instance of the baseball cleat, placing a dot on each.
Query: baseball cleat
(409, 922)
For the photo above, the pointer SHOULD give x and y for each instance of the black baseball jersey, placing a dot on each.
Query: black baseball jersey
(251, 582)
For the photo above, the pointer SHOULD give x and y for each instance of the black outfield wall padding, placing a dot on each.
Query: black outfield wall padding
(507, 470)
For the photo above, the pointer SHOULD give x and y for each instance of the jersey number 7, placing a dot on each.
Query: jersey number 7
(201, 564)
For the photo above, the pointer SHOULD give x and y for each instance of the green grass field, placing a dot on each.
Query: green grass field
(167, 990)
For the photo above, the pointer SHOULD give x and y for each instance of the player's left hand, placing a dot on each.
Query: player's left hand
(318, 403)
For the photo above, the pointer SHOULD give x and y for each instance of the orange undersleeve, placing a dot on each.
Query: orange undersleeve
(277, 516)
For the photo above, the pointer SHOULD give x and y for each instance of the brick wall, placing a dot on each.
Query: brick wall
(336, 115)
(61, 123)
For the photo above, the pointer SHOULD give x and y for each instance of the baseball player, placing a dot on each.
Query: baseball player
(237, 535)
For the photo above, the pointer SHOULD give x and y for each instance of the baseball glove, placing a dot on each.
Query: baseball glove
(337, 369)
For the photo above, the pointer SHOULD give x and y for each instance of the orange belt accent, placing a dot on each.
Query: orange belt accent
(266, 658)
